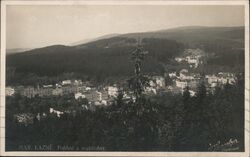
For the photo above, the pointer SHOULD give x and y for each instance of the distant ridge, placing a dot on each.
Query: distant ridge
(186, 34)
(95, 39)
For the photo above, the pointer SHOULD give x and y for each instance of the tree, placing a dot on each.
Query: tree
(144, 120)
(138, 82)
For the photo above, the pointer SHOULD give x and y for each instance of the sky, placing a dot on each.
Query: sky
(38, 26)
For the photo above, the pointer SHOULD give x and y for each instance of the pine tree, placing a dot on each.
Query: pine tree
(138, 82)
(144, 120)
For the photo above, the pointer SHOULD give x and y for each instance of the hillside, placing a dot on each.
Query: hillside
(107, 58)
(94, 39)
(195, 35)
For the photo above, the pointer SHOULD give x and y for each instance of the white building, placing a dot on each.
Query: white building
(47, 86)
(180, 59)
(181, 84)
(226, 77)
(79, 95)
(78, 82)
(221, 78)
(183, 71)
(184, 75)
(193, 60)
(58, 85)
(157, 81)
(160, 81)
(192, 93)
(214, 84)
(150, 90)
(172, 75)
(112, 91)
(66, 82)
(99, 95)
(100, 103)
(9, 91)
(212, 78)
(88, 88)
(57, 91)
(152, 83)
(58, 113)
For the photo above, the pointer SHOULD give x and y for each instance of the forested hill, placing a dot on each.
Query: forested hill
(197, 36)
(95, 59)
(111, 57)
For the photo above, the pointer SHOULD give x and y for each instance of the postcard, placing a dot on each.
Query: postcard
(124, 78)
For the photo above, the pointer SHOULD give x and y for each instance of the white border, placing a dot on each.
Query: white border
(122, 2)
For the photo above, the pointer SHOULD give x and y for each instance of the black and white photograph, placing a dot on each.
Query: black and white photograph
(128, 76)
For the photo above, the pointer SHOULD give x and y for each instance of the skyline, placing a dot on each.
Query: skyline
(39, 26)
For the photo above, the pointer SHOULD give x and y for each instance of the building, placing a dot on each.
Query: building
(181, 83)
(152, 83)
(88, 88)
(58, 113)
(47, 86)
(9, 91)
(193, 61)
(97, 97)
(194, 57)
(42, 92)
(24, 118)
(28, 92)
(192, 93)
(66, 82)
(81, 88)
(172, 75)
(214, 84)
(157, 81)
(179, 59)
(184, 75)
(226, 77)
(93, 96)
(220, 79)
(49, 90)
(183, 71)
(175, 89)
(18, 89)
(58, 85)
(150, 90)
(105, 95)
(160, 81)
(112, 91)
(211, 79)
(69, 89)
(57, 92)
(79, 95)
(100, 103)
(191, 83)
(77, 82)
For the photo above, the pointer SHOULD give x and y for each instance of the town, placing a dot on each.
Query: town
(174, 82)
